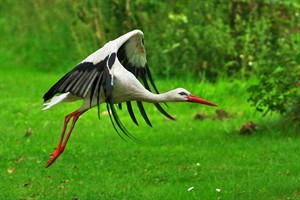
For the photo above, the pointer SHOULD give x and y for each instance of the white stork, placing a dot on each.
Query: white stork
(110, 75)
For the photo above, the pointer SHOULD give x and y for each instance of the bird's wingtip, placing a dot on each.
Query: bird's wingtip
(138, 31)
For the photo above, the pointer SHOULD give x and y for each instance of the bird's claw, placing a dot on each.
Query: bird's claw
(54, 156)
(51, 154)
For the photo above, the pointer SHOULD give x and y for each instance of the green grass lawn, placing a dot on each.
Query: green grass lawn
(174, 156)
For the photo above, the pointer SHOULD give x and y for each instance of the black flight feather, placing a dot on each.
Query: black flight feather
(143, 112)
(115, 119)
(131, 113)
(95, 87)
(99, 95)
(163, 111)
(78, 81)
(112, 121)
(150, 78)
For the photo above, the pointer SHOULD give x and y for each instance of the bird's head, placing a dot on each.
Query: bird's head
(181, 94)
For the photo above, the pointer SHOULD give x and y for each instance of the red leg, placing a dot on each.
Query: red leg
(63, 142)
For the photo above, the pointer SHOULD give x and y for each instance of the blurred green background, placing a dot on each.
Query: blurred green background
(243, 55)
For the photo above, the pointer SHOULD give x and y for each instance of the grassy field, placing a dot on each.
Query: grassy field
(208, 156)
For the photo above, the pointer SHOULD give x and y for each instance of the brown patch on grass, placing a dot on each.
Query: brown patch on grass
(248, 128)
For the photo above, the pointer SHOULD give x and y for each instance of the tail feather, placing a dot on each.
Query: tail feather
(55, 100)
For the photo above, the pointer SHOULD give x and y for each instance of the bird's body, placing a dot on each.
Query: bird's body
(110, 75)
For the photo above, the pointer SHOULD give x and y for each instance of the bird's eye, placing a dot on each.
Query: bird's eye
(183, 93)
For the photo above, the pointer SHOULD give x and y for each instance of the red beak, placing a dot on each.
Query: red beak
(195, 99)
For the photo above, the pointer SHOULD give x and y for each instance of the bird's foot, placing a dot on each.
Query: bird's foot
(55, 155)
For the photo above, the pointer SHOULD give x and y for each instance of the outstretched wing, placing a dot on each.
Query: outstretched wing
(132, 56)
(89, 77)
(84, 78)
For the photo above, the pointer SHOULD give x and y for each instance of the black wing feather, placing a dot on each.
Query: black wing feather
(96, 84)
(151, 79)
(83, 74)
(112, 121)
(113, 112)
(143, 112)
(131, 113)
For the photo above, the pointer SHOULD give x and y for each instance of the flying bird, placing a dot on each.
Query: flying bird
(112, 75)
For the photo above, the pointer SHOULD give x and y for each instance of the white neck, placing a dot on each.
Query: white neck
(169, 96)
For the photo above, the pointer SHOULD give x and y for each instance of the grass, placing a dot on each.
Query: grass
(174, 156)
